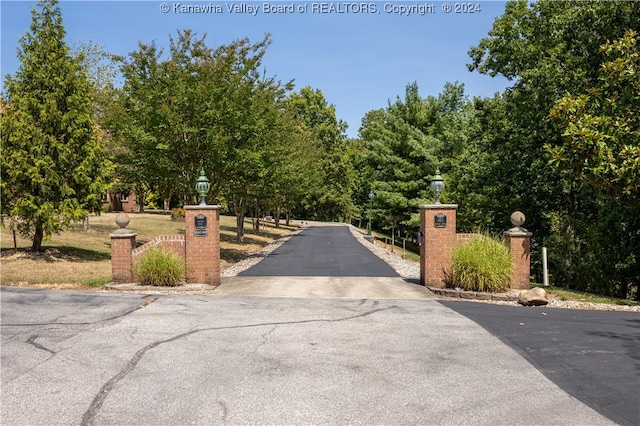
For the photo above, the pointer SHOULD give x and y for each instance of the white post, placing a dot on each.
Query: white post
(545, 270)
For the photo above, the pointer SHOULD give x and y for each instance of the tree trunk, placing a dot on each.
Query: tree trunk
(256, 228)
(240, 221)
(288, 216)
(37, 238)
(393, 238)
(85, 224)
(623, 289)
(166, 204)
(277, 218)
(141, 196)
(15, 242)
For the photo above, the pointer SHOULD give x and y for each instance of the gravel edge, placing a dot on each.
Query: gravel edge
(410, 270)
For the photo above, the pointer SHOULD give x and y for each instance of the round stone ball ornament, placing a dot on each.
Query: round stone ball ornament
(517, 218)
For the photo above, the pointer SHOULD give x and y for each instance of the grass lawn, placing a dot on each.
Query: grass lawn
(76, 258)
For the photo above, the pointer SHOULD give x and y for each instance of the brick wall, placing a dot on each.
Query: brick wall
(438, 242)
(200, 247)
(203, 252)
(174, 243)
(519, 243)
(122, 245)
(464, 237)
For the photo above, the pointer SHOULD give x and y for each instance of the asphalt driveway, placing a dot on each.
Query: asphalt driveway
(322, 342)
(130, 359)
(593, 355)
(321, 251)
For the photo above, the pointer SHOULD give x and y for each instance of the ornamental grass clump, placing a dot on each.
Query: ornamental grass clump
(481, 264)
(160, 267)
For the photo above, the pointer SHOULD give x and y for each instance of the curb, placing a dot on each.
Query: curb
(511, 296)
(152, 289)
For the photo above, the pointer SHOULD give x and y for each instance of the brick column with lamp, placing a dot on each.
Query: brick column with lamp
(202, 244)
(202, 238)
(438, 227)
(438, 237)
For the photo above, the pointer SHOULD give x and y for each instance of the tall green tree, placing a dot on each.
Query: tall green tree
(406, 142)
(602, 128)
(206, 107)
(53, 167)
(601, 150)
(549, 49)
(333, 198)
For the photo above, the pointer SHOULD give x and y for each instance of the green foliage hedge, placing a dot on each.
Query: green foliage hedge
(481, 264)
(177, 213)
(160, 267)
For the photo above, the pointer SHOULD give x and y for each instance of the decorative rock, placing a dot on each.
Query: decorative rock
(534, 297)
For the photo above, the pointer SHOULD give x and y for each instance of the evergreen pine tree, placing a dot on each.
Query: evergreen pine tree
(53, 170)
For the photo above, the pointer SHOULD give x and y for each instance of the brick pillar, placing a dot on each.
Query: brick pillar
(202, 244)
(438, 223)
(519, 243)
(122, 243)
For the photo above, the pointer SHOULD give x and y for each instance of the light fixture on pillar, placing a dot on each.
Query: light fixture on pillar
(372, 195)
(437, 185)
(202, 187)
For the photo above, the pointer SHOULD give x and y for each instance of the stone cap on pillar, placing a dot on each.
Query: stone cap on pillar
(517, 232)
(201, 207)
(517, 220)
(122, 220)
(438, 206)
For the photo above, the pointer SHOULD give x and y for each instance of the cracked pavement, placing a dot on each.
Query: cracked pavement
(107, 358)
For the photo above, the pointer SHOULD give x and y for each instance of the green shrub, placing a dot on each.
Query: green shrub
(481, 264)
(159, 267)
(177, 213)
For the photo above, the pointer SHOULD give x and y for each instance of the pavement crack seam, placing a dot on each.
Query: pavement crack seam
(91, 413)
(147, 301)
(32, 341)
(265, 338)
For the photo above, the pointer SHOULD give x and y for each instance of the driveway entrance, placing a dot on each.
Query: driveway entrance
(321, 251)
(323, 261)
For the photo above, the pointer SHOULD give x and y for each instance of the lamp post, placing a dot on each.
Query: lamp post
(437, 185)
(372, 195)
(202, 187)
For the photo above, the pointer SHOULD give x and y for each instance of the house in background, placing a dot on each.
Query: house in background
(120, 202)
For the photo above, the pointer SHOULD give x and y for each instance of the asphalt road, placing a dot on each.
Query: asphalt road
(321, 251)
(593, 355)
(129, 359)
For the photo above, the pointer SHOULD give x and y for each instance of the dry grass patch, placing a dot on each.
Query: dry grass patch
(76, 258)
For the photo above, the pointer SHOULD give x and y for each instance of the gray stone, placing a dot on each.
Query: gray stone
(534, 297)
(467, 294)
(448, 292)
(483, 296)
(502, 297)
